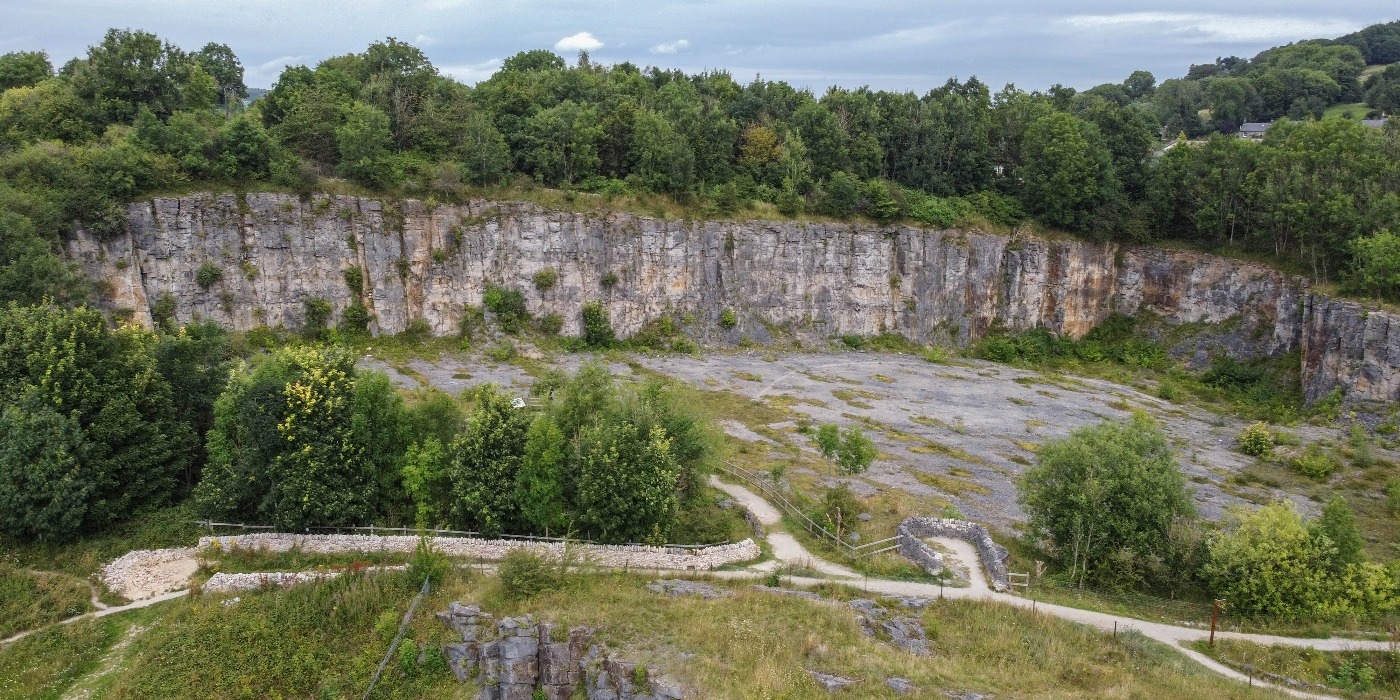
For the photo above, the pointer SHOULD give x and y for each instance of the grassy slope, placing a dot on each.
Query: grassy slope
(323, 641)
(29, 599)
(1311, 666)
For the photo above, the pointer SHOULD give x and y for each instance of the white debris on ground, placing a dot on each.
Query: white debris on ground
(146, 573)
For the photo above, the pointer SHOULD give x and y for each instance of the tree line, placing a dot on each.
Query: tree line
(139, 115)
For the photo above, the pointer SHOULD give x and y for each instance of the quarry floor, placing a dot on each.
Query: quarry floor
(960, 432)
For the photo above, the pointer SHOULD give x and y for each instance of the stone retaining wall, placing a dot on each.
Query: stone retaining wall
(618, 556)
(912, 532)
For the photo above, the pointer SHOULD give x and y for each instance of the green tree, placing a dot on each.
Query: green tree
(363, 142)
(1107, 487)
(856, 451)
(1267, 564)
(626, 482)
(485, 462)
(1068, 171)
(303, 439)
(829, 439)
(483, 150)
(1376, 265)
(1338, 524)
(88, 434)
(24, 69)
(539, 485)
(561, 143)
(427, 482)
(245, 149)
(219, 61)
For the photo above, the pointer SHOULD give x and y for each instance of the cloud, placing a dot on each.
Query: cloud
(423, 40)
(671, 46)
(471, 73)
(583, 41)
(1207, 27)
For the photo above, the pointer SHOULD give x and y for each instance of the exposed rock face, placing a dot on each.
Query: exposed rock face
(514, 658)
(780, 278)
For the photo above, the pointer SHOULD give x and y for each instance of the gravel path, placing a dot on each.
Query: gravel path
(1171, 635)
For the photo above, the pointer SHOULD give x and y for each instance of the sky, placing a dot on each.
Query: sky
(886, 44)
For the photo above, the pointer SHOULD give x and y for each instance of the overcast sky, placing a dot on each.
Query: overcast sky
(891, 44)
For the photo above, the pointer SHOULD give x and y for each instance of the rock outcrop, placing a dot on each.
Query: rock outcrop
(514, 658)
(265, 255)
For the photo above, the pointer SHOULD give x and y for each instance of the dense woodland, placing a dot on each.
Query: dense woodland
(99, 423)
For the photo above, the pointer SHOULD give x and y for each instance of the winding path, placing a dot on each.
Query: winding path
(1173, 636)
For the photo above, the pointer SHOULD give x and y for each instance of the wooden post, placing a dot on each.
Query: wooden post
(1214, 613)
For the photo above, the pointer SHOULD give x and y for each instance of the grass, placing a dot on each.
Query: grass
(1338, 670)
(30, 599)
(324, 640)
(1350, 110)
(950, 485)
(167, 527)
(43, 665)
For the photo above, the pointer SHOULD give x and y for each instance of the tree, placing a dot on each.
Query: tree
(1139, 84)
(626, 482)
(245, 149)
(1338, 524)
(129, 69)
(539, 485)
(561, 143)
(219, 61)
(1068, 171)
(829, 439)
(303, 439)
(1376, 267)
(485, 462)
(483, 150)
(1267, 564)
(24, 69)
(856, 451)
(363, 142)
(88, 434)
(1107, 487)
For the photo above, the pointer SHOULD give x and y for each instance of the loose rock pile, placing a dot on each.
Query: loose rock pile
(144, 573)
(515, 657)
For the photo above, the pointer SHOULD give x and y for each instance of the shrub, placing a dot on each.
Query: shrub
(727, 319)
(525, 574)
(354, 319)
(1315, 463)
(551, 324)
(828, 439)
(597, 329)
(1392, 495)
(208, 275)
(1256, 440)
(318, 312)
(508, 306)
(546, 279)
(609, 280)
(355, 279)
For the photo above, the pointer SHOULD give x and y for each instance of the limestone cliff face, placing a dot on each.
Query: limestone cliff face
(782, 279)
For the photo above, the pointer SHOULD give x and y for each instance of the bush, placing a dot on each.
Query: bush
(354, 320)
(828, 439)
(508, 306)
(1256, 440)
(355, 280)
(727, 319)
(546, 279)
(856, 451)
(525, 574)
(208, 275)
(1315, 463)
(551, 324)
(318, 312)
(1392, 495)
(609, 280)
(597, 329)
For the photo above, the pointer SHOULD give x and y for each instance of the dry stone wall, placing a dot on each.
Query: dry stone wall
(616, 556)
(912, 531)
(811, 281)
